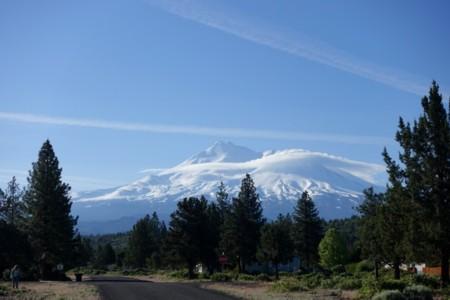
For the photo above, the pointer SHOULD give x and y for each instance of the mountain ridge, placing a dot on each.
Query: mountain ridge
(335, 183)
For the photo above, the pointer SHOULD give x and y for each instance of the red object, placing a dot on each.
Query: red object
(223, 259)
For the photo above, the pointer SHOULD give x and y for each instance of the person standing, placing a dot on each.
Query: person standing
(15, 276)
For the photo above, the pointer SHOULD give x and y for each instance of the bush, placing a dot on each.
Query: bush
(221, 277)
(429, 281)
(369, 287)
(180, 274)
(329, 283)
(204, 276)
(287, 285)
(349, 284)
(6, 275)
(393, 284)
(311, 280)
(418, 292)
(264, 277)
(246, 277)
(364, 266)
(338, 269)
(285, 274)
(389, 295)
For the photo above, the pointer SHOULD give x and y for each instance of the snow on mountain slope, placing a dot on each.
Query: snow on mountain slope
(335, 183)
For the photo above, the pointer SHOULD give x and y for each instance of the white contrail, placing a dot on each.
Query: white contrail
(301, 46)
(196, 130)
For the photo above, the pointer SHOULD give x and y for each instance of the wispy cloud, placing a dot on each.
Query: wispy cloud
(295, 44)
(196, 130)
(78, 182)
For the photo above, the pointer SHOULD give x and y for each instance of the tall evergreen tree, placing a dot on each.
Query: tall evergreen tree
(308, 231)
(370, 232)
(243, 224)
(276, 242)
(12, 208)
(145, 241)
(426, 157)
(188, 232)
(50, 224)
(223, 204)
(395, 219)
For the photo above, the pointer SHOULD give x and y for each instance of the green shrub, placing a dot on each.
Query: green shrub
(180, 274)
(246, 277)
(369, 287)
(338, 269)
(393, 284)
(285, 274)
(311, 280)
(418, 292)
(204, 276)
(349, 283)
(287, 285)
(264, 277)
(5, 275)
(329, 283)
(389, 295)
(429, 281)
(221, 277)
(3, 291)
(364, 266)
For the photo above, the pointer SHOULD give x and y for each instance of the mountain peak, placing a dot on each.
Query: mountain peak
(223, 151)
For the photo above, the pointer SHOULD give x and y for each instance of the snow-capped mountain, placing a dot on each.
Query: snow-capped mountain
(335, 183)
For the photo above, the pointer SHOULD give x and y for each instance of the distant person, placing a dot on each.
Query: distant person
(15, 276)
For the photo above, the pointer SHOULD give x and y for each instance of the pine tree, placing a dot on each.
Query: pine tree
(50, 225)
(426, 157)
(332, 249)
(223, 204)
(188, 232)
(307, 231)
(276, 242)
(370, 232)
(243, 224)
(12, 208)
(144, 241)
(395, 219)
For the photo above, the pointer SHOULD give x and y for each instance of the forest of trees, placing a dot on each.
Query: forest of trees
(408, 222)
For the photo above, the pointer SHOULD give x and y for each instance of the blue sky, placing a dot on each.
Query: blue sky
(330, 76)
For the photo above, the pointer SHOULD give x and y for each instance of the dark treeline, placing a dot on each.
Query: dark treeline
(408, 222)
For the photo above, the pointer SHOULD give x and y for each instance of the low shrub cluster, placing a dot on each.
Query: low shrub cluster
(263, 277)
(180, 274)
(389, 295)
(221, 277)
(246, 277)
(286, 285)
(415, 292)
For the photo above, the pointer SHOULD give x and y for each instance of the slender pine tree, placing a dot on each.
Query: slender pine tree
(50, 224)
(308, 231)
(241, 232)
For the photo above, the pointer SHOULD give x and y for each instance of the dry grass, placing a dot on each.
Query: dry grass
(260, 291)
(50, 290)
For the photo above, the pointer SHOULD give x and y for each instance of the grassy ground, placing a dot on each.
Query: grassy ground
(48, 290)
(261, 291)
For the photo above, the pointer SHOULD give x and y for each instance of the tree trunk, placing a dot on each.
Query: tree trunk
(397, 270)
(444, 267)
(191, 271)
(377, 273)
(276, 272)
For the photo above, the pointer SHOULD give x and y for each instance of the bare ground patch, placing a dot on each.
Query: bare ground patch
(44, 290)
